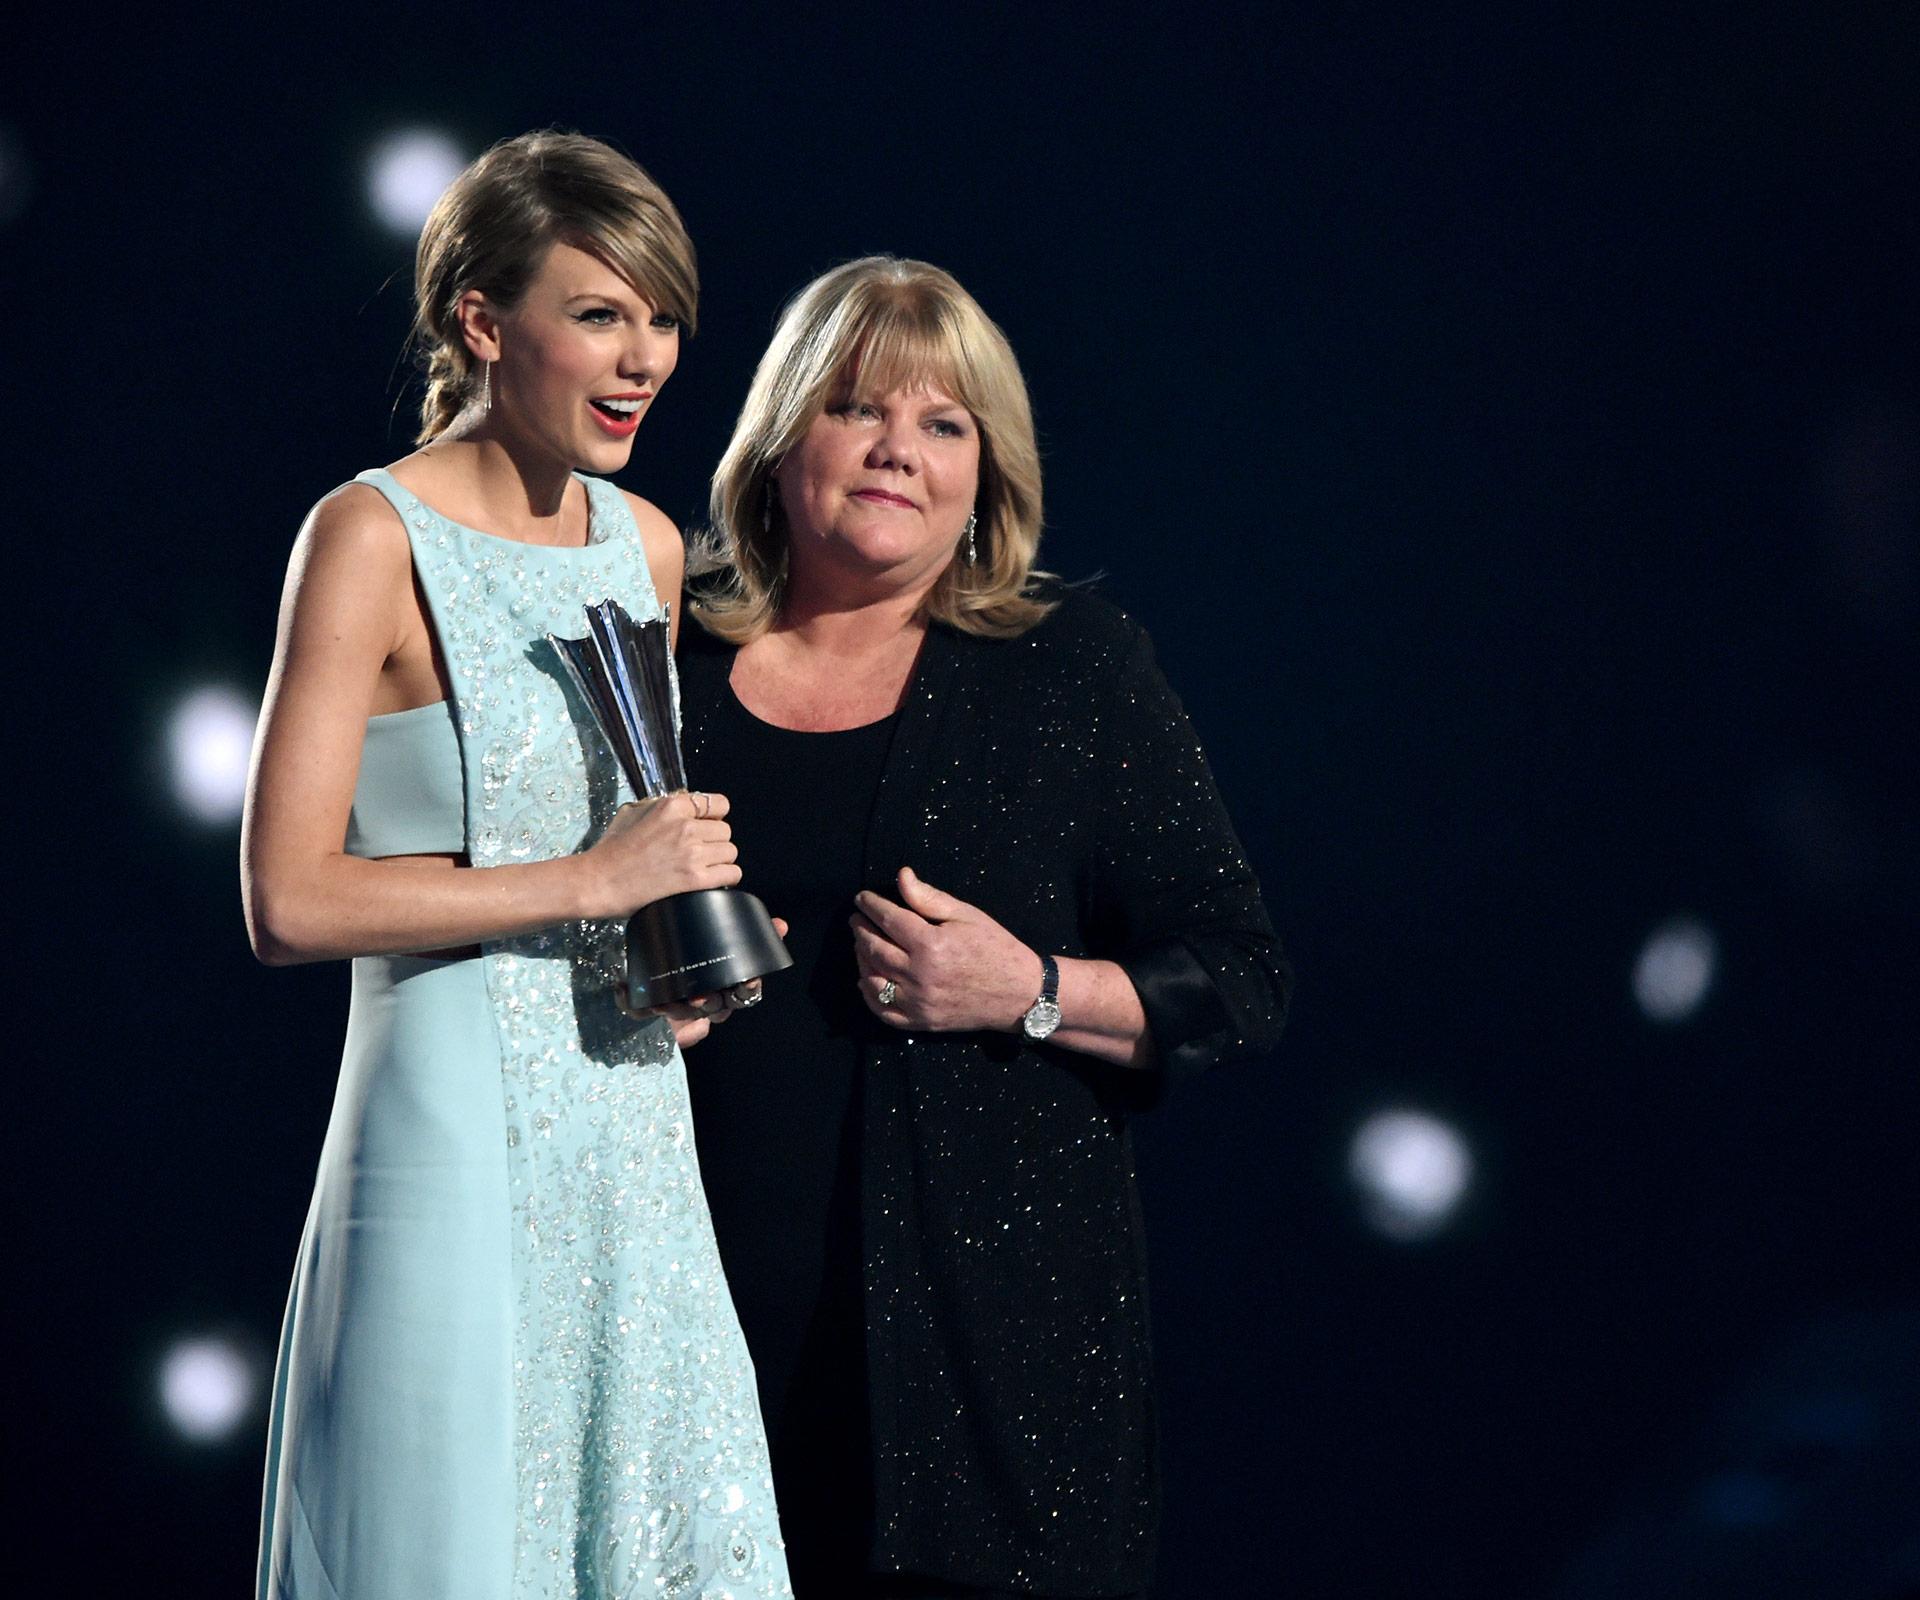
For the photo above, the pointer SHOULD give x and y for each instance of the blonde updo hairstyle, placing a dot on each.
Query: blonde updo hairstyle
(876, 325)
(493, 227)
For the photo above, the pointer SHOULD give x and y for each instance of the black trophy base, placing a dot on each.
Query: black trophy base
(699, 942)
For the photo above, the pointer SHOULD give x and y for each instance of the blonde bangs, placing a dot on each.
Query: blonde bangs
(898, 345)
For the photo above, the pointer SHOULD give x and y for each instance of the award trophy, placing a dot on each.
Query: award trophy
(705, 940)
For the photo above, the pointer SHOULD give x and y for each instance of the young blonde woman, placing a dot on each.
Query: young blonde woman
(1019, 911)
(510, 1365)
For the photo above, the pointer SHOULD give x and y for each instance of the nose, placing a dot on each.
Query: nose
(897, 445)
(641, 362)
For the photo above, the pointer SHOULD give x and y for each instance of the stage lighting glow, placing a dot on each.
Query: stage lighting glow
(210, 741)
(1675, 970)
(1412, 1171)
(407, 172)
(206, 1388)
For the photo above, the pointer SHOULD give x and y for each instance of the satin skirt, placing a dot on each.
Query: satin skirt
(389, 1469)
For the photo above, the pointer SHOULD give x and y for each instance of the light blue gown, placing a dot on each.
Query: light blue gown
(510, 1368)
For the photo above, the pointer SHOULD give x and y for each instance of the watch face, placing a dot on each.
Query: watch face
(1042, 1019)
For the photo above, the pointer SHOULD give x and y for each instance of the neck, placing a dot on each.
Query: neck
(517, 483)
(837, 618)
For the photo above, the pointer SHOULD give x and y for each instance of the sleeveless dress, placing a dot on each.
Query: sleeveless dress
(510, 1368)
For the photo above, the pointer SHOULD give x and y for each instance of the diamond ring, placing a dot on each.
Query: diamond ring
(888, 993)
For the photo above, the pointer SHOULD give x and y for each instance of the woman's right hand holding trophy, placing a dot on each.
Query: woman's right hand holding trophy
(658, 847)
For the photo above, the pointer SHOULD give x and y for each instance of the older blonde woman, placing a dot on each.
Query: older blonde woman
(509, 1367)
(1018, 911)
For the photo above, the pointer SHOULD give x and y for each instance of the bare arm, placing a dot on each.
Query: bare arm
(348, 614)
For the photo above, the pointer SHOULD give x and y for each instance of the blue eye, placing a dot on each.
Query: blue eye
(666, 323)
(599, 316)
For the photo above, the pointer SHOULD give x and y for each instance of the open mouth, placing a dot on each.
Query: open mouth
(618, 415)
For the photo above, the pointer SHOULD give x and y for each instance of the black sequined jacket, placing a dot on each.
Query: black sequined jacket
(1053, 781)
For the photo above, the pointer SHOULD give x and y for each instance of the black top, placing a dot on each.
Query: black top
(1053, 781)
(773, 1093)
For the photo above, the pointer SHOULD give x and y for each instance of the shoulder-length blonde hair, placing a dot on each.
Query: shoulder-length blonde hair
(494, 226)
(878, 324)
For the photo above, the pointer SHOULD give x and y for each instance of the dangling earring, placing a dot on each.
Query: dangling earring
(486, 387)
(972, 523)
(766, 508)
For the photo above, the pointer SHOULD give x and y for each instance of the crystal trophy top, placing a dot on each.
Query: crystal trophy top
(623, 671)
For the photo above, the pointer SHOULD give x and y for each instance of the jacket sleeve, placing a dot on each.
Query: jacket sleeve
(1172, 897)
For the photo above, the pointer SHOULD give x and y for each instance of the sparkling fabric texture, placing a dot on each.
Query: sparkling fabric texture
(1053, 781)
(641, 1461)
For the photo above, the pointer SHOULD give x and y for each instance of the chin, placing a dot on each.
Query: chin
(602, 456)
(880, 546)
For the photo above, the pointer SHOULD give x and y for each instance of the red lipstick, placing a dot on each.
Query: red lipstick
(619, 414)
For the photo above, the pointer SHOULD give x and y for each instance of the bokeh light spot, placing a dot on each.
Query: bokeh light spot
(1675, 970)
(1412, 1171)
(207, 1387)
(406, 173)
(209, 743)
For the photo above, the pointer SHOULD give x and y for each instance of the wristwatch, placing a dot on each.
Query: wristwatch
(1043, 1016)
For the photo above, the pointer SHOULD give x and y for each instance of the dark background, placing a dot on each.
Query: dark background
(1508, 427)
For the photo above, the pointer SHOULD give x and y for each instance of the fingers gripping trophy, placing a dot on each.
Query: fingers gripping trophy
(705, 940)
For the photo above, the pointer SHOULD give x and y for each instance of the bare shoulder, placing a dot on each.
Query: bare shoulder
(352, 559)
(666, 551)
(356, 526)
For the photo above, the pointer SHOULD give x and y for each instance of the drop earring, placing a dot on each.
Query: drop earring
(972, 555)
(486, 387)
(766, 508)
